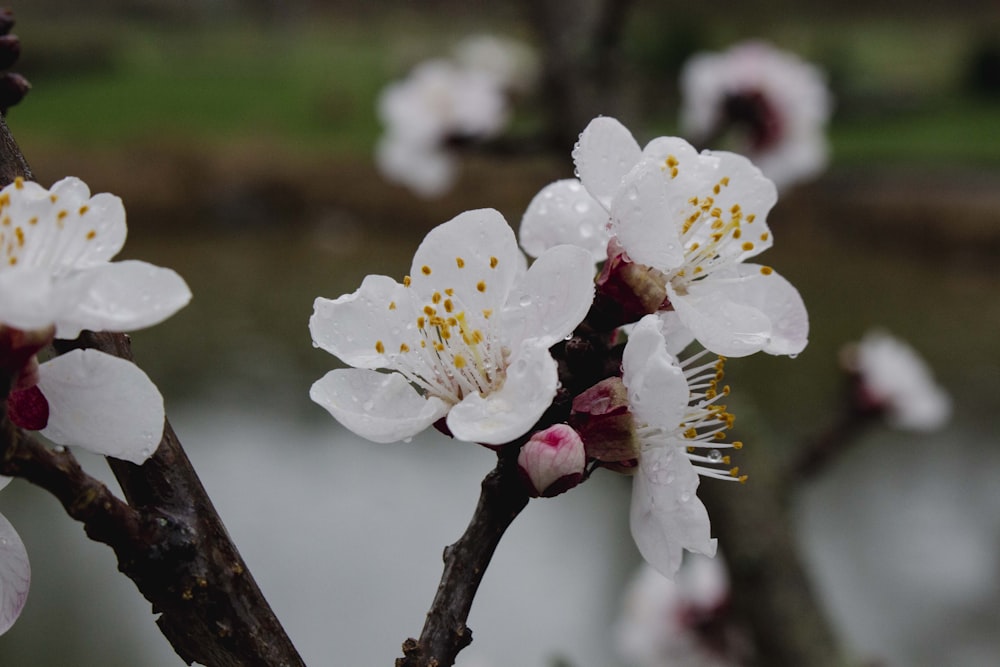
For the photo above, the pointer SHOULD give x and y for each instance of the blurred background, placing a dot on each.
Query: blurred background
(240, 135)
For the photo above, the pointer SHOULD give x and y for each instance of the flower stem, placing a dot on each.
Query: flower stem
(445, 633)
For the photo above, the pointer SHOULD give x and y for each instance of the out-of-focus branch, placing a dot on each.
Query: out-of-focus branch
(169, 539)
(581, 61)
(444, 634)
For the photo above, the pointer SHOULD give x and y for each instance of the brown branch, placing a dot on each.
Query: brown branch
(169, 539)
(444, 634)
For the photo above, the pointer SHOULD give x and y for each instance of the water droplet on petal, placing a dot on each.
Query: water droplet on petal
(581, 207)
(525, 300)
(715, 456)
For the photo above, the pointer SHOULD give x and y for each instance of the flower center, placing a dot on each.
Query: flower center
(703, 430)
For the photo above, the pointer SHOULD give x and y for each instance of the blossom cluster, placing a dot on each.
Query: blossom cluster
(56, 280)
(449, 100)
(574, 372)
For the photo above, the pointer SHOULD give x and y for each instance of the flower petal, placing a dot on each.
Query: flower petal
(15, 575)
(507, 414)
(745, 309)
(95, 225)
(122, 296)
(657, 389)
(352, 326)
(27, 298)
(475, 254)
(666, 515)
(382, 407)
(642, 221)
(564, 212)
(552, 298)
(605, 152)
(426, 169)
(102, 403)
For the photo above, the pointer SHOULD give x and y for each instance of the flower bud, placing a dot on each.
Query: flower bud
(627, 290)
(552, 461)
(602, 418)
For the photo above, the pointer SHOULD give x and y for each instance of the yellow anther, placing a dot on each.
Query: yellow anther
(718, 224)
(737, 445)
(13, 261)
(379, 347)
(481, 286)
(737, 233)
(493, 262)
(406, 281)
(765, 236)
(429, 312)
(751, 217)
(403, 347)
(452, 322)
(748, 246)
(436, 298)
(459, 361)
(4, 200)
(725, 460)
(448, 305)
(736, 210)
(693, 247)
(92, 234)
(698, 270)
(766, 270)
(477, 336)
(672, 161)
(691, 433)
(61, 215)
(690, 450)
(734, 471)
(693, 201)
(460, 262)
(20, 236)
(84, 209)
(33, 220)
(725, 181)
(18, 182)
(487, 312)
(420, 322)
(423, 343)
(719, 436)
(53, 198)
(450, 292)
(5, 221)
(716, 189)
(426, 270)
(438, 346)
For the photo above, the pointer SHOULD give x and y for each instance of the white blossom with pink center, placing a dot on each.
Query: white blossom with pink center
(694, 217)
(776, 104)
(465, 336)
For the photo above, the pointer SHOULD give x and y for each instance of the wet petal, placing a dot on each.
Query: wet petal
(657, 389)
(504, 415)
(122, 296)
(667, 516)
(102, 403)
(605, 152)
(28, 299)
(552, 299)
(720, 324)
(564, 212)
(642, 222)
(381, 407)
(364, 327)
(475, 254)
(15, 574)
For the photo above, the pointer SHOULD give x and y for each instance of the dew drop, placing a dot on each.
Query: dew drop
(794, 356)
(686, 496)
(59, 449)
(586, 230)
(715, 456)
(574, 186)
(633, 193)
(525, 300)
(581, 207)
(368, 406)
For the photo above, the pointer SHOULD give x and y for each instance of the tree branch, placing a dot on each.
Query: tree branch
(169, 539)
(444, 634)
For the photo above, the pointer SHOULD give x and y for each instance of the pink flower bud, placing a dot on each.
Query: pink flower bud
(552, 461)
(602, 418)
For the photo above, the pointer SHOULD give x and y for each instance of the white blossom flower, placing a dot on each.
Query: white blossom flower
(437, 102)
(57, 273)
(56, 268)
(15, 571)
(694, 218)
(659, 618)
(677, 414)
(897, 380)
(513, 64)
(776, 103)
(466, 336)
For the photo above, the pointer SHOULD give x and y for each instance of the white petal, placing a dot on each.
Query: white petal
(643, 222)
(504, 415)
(666, 515)
(605, 152)
(552, 298)
(564, 212)
(121, 296)
(378, 406)
(475, 254)
(102, 403)
(96, 224)
(743, 298)
(427, 170)
(4, 481)
(352, 325)
(722, 325)
(15, 575)
(27, 299)
(657, 389)
(677, 336)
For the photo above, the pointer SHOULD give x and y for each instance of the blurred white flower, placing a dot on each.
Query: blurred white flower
(776, 104)
(512, 63)
(15, 571)
(896, 380)
(692, 218)
(667, 623)
(467, 336)
(438, 102)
